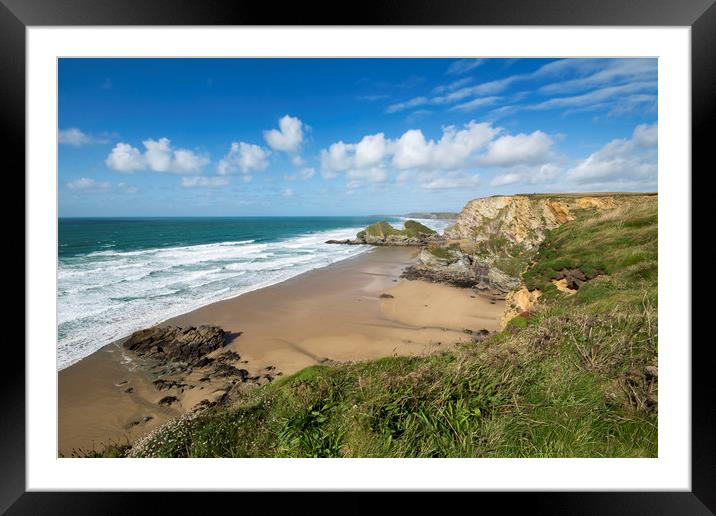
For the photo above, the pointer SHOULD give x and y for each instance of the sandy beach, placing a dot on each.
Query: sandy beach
(356, 309)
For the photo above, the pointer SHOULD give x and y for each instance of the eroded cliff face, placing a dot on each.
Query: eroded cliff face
(524, 219)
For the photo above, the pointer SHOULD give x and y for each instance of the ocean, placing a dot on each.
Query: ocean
(116, 276)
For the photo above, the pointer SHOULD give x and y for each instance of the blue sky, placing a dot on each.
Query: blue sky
(168, 137)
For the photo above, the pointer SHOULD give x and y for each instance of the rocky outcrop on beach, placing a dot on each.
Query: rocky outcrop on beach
(193, 359)
(381, 233)
(175, 344)
(452, 266)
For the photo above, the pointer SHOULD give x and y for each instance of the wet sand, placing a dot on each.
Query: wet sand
(331, 314)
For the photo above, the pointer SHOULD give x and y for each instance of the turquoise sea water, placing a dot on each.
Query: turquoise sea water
(119, 275)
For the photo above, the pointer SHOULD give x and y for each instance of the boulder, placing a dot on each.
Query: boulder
(175, 344)
(452, 266)
(573, 277)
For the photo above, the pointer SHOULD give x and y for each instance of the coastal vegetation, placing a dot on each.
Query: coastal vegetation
(443, 215)
(573, 373)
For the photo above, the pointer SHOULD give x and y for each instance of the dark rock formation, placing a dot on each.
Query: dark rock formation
(454, 267)
(574, 277)
(479, 335)
(168, 400)
(175, 344)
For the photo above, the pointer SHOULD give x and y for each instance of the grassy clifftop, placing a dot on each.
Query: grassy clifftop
(576, 377)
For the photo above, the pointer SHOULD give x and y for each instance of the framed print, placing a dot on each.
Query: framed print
(436, 249)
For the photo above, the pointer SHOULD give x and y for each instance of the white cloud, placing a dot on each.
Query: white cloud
(76, 138)
(244, 157)
(611, 71)
(288, 192)
(288, 137)
(622, 161)
(453, 85)
(595, 76)
(448, 162)
(87, 184)
(596, 96)
(506, 179)
(125, 158)
(371, 175)
(527, 175)
(304, 174)
(187, 161)
(336, 158)
(127, 188)
(371, 150)
(475, 103)
(453, 150)
(159, 156)
(298, 161)
(646, 135)
(510, 150)
(439, 180)
(401, 106)
(204, 182)
(462, 66)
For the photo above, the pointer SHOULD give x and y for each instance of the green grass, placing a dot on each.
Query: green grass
(504, 254)
(567, 381)
(413, 228)
(616, 250)
(444, 253)
(383, 229)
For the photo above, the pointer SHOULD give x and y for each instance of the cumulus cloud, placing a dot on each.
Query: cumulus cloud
(159, 156)
(125, 158)
(453, 160)
(336, 158)
(441, 163)
(453, 150)
(76, 138)
(204, 182)
(288, 137)
(370, 151)
(244, 157)
(631, 161)
(510, 149)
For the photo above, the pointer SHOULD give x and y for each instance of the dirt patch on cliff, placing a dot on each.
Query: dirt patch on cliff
(560, 211)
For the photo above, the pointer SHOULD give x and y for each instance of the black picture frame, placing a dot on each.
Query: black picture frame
(700, 15)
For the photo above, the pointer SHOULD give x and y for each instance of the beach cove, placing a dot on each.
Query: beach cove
(356, 309)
